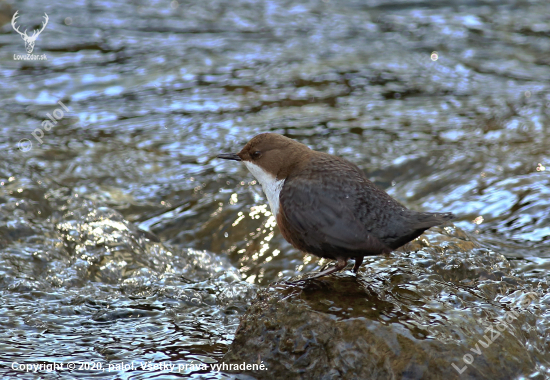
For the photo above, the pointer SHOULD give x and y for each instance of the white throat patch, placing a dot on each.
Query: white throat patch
(272, 187)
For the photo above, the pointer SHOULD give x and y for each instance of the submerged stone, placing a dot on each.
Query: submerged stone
(408, 316)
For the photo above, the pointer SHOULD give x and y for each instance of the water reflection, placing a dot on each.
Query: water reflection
(423, 98)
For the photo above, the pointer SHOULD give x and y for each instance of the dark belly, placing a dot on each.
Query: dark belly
(300, 241)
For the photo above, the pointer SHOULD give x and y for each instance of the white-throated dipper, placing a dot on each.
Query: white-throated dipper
(326, 206)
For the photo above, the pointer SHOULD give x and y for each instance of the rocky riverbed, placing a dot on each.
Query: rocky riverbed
(125, 244)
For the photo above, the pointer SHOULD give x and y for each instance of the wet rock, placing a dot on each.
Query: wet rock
(101, 279)
(445, 106)
(439, 311)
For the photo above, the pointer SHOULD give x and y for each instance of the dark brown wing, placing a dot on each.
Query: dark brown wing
(320, 211)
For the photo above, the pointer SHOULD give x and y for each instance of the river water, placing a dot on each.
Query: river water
(446, 105)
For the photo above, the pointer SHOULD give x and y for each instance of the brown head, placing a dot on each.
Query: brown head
(275, 154)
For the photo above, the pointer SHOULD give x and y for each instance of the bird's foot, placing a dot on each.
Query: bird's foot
(340, 264)
(358, 262)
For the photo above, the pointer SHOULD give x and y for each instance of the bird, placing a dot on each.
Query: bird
(326, 206)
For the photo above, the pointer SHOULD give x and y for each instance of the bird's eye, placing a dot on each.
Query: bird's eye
(255, 155)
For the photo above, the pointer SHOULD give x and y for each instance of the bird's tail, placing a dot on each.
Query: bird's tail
(430, 219)
(416, 224)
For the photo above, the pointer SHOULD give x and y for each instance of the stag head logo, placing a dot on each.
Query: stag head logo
(29, 41)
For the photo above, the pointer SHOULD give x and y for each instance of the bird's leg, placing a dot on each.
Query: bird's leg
(358, 262)
(341, 264)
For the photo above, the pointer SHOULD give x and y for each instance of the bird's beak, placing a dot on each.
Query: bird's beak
(229, 156)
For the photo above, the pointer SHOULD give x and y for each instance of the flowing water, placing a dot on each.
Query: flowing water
(111, 141)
